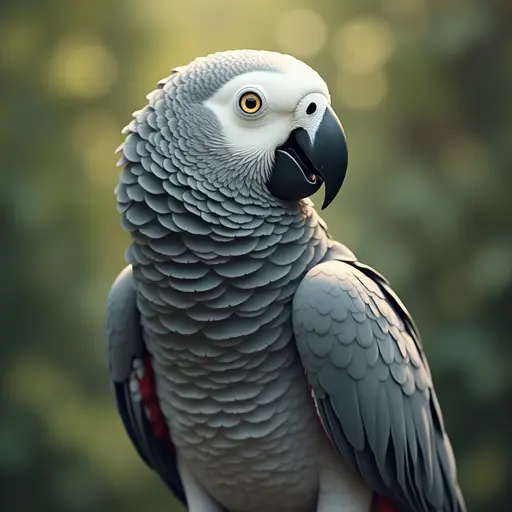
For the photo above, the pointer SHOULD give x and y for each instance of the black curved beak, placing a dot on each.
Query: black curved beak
(301, 167)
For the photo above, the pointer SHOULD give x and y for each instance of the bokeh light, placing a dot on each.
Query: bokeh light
(82, 67)
(362, 91)
(301, 32)
(363, 45)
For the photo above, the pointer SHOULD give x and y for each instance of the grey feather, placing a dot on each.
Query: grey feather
(122, 325)
(374, 389)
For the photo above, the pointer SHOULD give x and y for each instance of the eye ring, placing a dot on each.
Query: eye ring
(250, 102)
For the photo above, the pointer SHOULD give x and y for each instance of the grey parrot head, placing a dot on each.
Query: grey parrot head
(256, 122)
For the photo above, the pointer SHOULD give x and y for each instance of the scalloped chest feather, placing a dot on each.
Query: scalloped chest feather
(216, 316)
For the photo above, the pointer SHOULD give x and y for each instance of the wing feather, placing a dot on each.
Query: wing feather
(372, 385)
(133, 386)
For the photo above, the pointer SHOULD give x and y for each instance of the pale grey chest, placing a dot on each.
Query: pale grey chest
(248, 433)
(218, 326)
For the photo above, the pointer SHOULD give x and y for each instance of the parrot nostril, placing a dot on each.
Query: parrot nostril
(311, 109)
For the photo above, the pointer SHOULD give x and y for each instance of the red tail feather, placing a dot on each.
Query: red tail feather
(150, 400)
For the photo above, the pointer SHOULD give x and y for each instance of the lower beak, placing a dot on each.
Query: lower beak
(301, 167)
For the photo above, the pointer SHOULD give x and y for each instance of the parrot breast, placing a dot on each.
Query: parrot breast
(229, 381)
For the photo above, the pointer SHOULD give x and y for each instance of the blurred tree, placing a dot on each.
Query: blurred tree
(423, 90)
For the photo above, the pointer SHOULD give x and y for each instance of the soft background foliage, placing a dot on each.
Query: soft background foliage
(423, 88)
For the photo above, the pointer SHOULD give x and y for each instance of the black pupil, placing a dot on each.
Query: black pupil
(311, 108)
(251, 103)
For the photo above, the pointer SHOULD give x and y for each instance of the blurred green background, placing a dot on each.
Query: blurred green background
(423, 88)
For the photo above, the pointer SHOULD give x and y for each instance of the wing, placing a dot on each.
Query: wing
(372, 386)
(133, 384)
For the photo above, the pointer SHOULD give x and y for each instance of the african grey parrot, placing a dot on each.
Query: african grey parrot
(257, 365)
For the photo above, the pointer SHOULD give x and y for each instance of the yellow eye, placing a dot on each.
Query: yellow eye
(250, 102)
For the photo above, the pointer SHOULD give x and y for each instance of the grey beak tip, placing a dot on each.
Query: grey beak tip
(326, 204)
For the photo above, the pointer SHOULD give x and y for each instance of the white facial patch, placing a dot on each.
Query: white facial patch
(305, 119)
(286, 96)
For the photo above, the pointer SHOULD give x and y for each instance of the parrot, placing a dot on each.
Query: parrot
(255, 362)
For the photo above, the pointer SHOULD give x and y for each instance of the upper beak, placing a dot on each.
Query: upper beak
(301, 167)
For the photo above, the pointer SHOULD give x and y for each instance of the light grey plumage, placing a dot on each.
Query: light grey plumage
(366, 370)
(227, 278)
